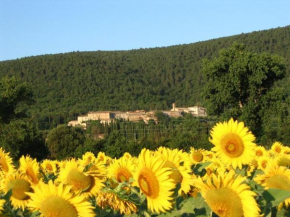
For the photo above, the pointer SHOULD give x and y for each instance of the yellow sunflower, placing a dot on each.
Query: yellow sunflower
(57, 201)
(263, 162)
(97, 169)
(49, 166)
(102, 157)
(6, 163)
(197, 155)
(80, 181)
(215, 167)
(283, 160)
(277, 148)
(153, 180)
(180, 171)
(234, 143)
(30, 167)
(209, 155)
(117, 203)
(228, 196)
(260, 151)
(121, 169)
(87, 158)
(19, 184)
(275, 177)
(252, 167)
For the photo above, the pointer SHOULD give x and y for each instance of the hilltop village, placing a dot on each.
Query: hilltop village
(134, 116)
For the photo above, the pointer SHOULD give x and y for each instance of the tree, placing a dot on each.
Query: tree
(13, 93)
(21, 137)
(240, 84)
(63, 140)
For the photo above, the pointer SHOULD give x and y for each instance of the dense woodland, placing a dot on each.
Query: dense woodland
(51, 90)
(66, 85)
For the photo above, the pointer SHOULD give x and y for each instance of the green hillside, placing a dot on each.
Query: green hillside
(66, 85)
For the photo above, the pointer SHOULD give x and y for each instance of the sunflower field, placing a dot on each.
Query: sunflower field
(236, 178)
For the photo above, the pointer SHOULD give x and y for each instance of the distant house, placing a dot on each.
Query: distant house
(194, 110)
(135, 116)
(102, 116)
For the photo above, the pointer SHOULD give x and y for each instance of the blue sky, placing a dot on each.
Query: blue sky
(36, 27)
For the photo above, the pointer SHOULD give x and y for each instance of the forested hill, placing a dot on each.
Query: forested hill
(69, 84)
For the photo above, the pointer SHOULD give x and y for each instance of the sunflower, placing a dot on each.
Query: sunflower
(215, 167)
(275, 177)
(197, 155)
(277, 148)
(49, 166)
(260, 151)
(121, 169)
(19, 184)
(283, 160)
(181, 171)
(209, 155)
(153, 180)
(228, 196)
(102, 157)
(30, 167)
(87, 158)
(93, 166)
(6, 163)
(234, 143)
(57, 201)
(80, 181)
(263, 162)
(252, 167)
(116, 202)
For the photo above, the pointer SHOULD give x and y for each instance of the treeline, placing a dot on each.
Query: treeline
(67, 85)
(20, 136)
(121, 136)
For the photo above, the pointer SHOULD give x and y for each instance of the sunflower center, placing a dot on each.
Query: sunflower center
(55, 206)
(209, 171)
(148, 183)
(277, 149)
(175, 173)
(19, 187)
(232, 145)
(255, 163)
(78, 180)
(210, 156)
(49, 167)
(224, 202)
(264, 164)
(197, 156)
(278, 181)
(123, 175)
(259, 153)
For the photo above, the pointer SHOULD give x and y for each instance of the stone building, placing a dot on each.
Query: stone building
(194, 110)
(135, 116)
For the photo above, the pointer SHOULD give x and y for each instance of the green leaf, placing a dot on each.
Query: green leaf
(200, 168)
(242, 172)
(275, 196)
(195, 205)
(8, 195)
